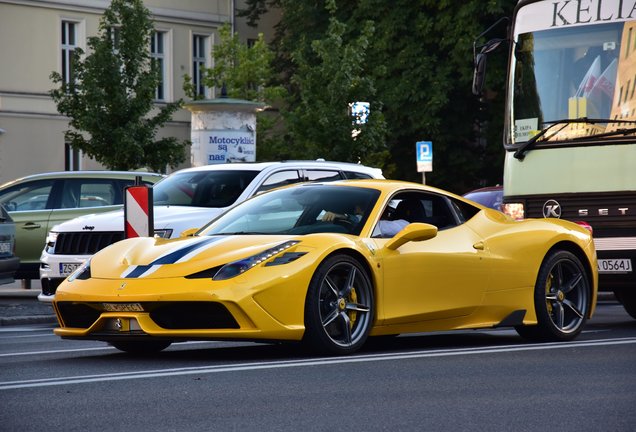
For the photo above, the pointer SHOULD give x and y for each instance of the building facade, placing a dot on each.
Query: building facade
(37, 37)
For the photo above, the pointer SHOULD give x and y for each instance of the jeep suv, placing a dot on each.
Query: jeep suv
(186, 199)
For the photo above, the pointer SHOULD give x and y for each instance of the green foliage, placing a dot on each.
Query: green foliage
(110, 100)
(419, 60)
(245, 72)
(328, 79)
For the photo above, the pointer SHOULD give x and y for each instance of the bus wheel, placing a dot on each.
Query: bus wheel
(627, 297)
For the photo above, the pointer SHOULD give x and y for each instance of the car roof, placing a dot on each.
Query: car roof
(84, 174)
(261, 166)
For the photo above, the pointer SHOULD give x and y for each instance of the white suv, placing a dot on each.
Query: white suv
(186, 199)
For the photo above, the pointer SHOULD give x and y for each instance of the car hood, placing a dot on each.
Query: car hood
(149, 258)
(176, 218)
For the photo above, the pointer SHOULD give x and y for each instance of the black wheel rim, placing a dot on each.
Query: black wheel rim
(566, 296)
(345, 304)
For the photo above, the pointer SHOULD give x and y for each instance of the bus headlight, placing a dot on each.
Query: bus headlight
(514, 210)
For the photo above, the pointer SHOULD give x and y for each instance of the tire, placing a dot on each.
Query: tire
(561, 299)
(339, 307)
(141, 347)
(627, 297)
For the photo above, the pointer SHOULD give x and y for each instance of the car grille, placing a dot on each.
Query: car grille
(85, 243)
(168, 315)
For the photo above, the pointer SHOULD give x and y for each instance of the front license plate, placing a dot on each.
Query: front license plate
(123, 307)
(617, 265)
(68, 268)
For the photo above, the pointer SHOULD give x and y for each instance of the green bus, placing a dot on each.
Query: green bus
(570, 124)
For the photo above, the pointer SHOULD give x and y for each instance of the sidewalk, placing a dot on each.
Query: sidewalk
(20, 306)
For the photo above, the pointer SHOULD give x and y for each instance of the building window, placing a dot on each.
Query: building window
(72, 158)
(69, 44)
(199, 51)
(157, 52)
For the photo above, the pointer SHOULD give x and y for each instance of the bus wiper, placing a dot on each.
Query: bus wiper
(528, 145)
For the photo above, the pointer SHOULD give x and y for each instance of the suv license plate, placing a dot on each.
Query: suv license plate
(68, 268)
(618, 265)
(5, 247)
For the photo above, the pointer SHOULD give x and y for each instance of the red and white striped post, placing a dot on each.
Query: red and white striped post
(138, 216)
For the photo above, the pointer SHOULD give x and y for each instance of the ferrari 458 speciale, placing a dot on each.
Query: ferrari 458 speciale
(330, 265)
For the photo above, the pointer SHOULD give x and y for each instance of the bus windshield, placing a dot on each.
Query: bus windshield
(572, 73)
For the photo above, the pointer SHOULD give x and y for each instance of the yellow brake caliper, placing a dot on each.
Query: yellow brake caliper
(548, 288)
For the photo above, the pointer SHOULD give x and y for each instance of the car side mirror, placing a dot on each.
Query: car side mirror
(412, 232)
(190, 232)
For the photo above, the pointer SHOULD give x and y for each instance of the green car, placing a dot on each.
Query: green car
(38, 202)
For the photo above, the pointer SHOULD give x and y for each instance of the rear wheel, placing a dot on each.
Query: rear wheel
(339, 306)
(561, 299)
(627, 297)
(141, 347)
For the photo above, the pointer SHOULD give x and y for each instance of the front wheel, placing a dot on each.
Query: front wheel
(561, 299)
(338, 307)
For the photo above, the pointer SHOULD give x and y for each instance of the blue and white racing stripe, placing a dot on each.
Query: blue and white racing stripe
(179, 254)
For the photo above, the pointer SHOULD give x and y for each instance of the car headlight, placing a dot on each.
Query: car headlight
(83, 272)
(238, 267)
(163, 233)
(49, 243)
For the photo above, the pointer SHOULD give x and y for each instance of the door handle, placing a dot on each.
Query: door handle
(31, 226)
(479, 245)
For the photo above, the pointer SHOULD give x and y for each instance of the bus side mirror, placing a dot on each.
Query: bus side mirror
(479, 74)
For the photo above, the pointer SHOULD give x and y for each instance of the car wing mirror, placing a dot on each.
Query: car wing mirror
(190, 232)
(412, 232)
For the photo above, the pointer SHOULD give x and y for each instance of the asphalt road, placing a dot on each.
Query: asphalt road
(452, 381)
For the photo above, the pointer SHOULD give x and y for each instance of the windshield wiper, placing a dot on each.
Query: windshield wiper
(520, 153)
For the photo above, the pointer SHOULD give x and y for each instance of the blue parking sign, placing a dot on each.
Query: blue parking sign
(424, 156)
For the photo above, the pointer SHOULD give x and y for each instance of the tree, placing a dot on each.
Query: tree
(112, 93)
(328, 78)
(420, 61)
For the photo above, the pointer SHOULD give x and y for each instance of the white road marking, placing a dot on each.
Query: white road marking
(83, 379)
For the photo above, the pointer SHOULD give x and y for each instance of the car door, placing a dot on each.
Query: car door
(440, 278)
(30, 206)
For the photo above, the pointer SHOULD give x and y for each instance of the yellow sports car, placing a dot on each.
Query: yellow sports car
(332, 264)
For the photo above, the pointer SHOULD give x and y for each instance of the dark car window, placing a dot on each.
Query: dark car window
(421, 207)
(280, 178)
(356, 175)
(202, 188)
(322, 175)
(27, 196)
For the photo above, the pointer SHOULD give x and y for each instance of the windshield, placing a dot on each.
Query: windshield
(303, 209)
(575, 72)
(214, 189)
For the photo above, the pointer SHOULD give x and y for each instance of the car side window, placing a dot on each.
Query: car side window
(414, 206)
(27, 196)
(322, 175)
(356, 175)
(83, 193)
(278, 179)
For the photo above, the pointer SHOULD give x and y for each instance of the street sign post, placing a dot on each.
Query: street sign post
(424, 156)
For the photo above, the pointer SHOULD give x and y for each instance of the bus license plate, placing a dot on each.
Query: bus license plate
(618, 265)
(68, 268)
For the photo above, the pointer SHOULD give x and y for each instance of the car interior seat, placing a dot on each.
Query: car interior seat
(411, 210)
